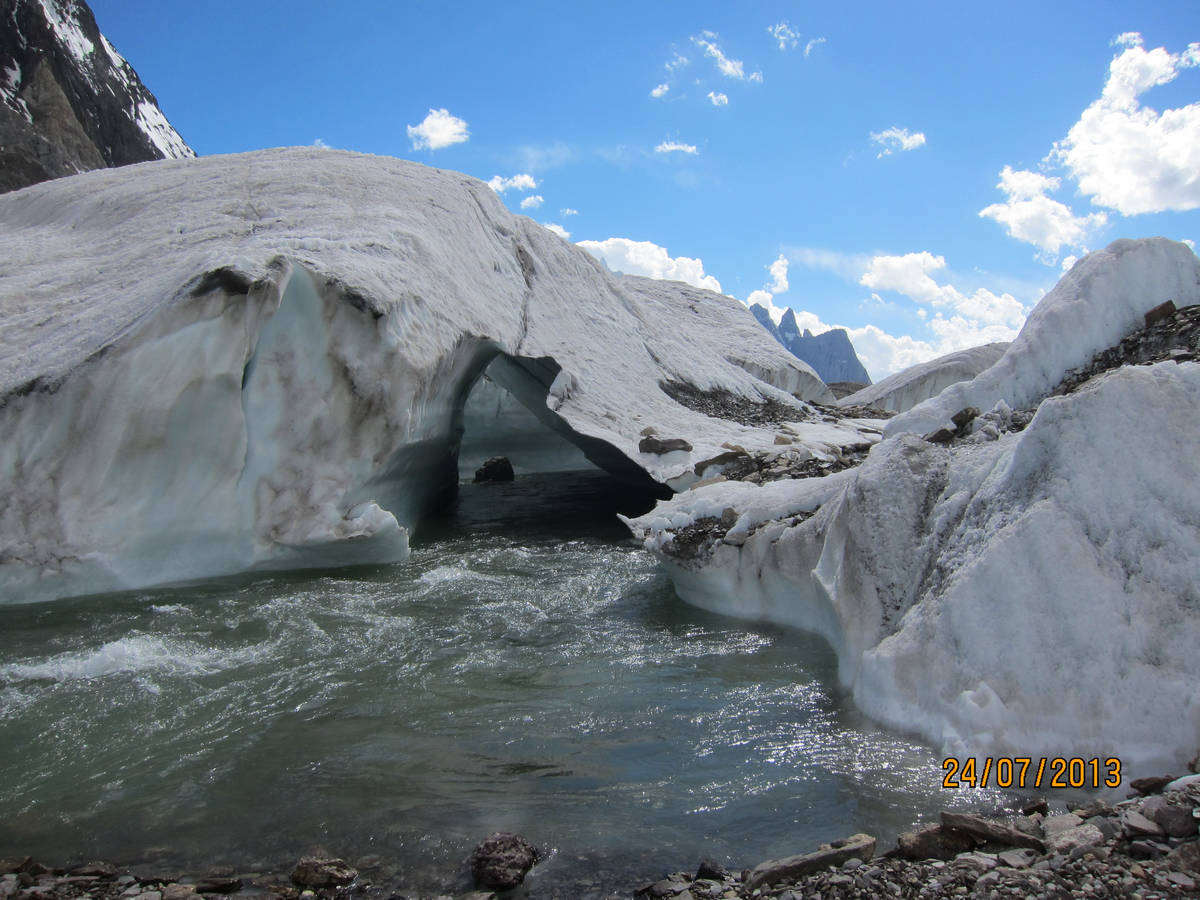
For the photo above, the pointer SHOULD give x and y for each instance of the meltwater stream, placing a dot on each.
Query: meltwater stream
(528, 669)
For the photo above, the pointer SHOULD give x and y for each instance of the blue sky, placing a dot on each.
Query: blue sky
(915, 172)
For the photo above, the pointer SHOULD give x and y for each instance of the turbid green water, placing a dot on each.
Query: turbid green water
(530, 668)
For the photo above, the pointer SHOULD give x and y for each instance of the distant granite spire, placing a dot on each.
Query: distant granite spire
(830, 354)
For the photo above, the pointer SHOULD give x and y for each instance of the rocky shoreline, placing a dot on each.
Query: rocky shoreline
(1146, 847)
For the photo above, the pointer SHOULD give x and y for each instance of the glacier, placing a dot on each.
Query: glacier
(908, 387)
(265, 360)
(1024, 593)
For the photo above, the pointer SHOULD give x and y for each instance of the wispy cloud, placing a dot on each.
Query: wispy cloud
(731, 68)
(438, 129)
(811, 45)
(892, 139)
(660, 91)
(718, 99)
(567, 211)
(676, 147)
(783, 33)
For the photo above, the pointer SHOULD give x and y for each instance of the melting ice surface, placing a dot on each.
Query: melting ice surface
(529, 668)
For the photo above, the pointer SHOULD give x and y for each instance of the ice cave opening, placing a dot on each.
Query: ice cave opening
(503, 412)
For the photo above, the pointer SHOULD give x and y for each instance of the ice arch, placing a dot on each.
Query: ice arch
(232, 363)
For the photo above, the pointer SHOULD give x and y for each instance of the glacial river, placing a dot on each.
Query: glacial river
(529, 669)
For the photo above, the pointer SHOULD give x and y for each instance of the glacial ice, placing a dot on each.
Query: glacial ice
(907, 388)
(1034, 595)
(264, 360)
(1101, 299)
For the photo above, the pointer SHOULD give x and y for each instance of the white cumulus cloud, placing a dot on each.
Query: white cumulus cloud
(779, 273)
(911, 275)
(439, 129)
(557, 229)
(718, 99)
(676, 147)
(1030, 216)
(522, 182)
(660, 91)
(533, 201)
(1126, 156)
(892, 139)
(649, 259)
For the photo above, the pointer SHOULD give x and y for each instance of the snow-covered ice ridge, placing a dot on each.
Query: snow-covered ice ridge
(262, 360)
(1032, 595)
(907, 388)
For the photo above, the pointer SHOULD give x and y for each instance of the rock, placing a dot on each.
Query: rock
(1147, 849)
(979, 862)
(1037, 805)
(1109, 826)
(1056, 824)
(218, 884)
(1155, 783)
(991, 832)
(941, 436)
(96, 868)
(179, 892)
(1069, 840)
(776, 870)
(501, 861)
(1185, 858)
(498, 468)
(322, 872)
(1181, 880)
(647, 431)
(1136, 825)
(1175, 821)
(933, 842)
(651, 444)
(712, 870)
(964, 417)
(1160, 312)
(1017, 859)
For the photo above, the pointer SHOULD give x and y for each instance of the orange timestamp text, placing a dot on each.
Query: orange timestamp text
(1031, 772)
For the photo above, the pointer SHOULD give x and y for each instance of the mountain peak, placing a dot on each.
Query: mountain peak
(69, 102)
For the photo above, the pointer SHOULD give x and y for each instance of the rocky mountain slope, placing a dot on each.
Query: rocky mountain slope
(831, 354)
(69, 102)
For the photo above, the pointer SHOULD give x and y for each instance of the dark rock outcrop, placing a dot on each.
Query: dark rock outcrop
(501, 861)
(498, 468)
(68, 101)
